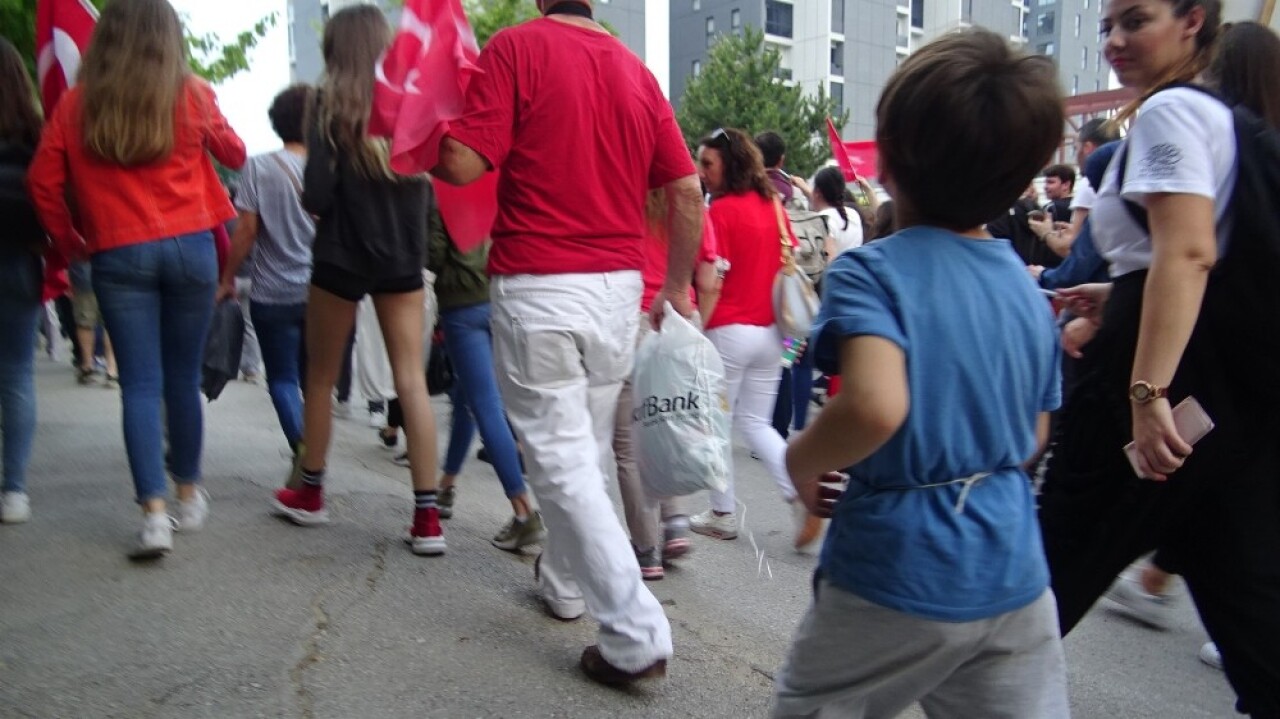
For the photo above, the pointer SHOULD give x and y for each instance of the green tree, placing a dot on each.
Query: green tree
(740, 86)
(211, 57)
(489, 16)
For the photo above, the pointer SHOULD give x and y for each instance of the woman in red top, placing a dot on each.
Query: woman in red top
(748, 222)
(130, 145)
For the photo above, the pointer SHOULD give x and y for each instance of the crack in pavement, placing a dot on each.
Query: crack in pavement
(311, 655)
(322, 620)
(379, 565)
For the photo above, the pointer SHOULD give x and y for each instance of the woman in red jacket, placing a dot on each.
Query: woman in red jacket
(130, 146)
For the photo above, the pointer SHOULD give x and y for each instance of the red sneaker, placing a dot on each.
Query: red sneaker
(426, 537)
(304, 506)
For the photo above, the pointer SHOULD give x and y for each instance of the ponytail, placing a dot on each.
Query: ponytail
(829, 184)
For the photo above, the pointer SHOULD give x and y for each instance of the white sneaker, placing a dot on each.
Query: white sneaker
(1210, 655)
(1153, 610)
(193, 512)
(15, 508)
(156, 538)
(720, 526)
(342, 410)
(810, 528)
(378, 419)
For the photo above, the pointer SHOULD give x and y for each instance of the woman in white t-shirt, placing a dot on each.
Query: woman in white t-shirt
(1219, 510)
(844, 232)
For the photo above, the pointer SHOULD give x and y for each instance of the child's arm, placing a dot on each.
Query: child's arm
(871, 407)
(1042, 441)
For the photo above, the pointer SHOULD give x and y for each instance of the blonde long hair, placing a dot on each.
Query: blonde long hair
(132, 77)
(354, 40)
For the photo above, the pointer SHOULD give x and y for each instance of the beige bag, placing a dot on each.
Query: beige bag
(795, 302)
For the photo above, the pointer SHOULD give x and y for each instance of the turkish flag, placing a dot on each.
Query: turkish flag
(855, 159)
(421, 85)
(63, 29)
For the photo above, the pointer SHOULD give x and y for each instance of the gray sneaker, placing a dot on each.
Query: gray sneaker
(650, 561)
(516, 534)
(444, 498)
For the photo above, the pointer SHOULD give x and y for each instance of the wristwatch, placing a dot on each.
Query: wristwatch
(1142, 392)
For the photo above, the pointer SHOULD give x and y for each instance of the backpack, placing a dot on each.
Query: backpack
(811, 233)
(1242, 297)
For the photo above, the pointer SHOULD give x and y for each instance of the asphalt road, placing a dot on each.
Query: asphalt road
(257, 618)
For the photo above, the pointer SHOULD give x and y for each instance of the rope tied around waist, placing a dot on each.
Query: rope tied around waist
(967, 482)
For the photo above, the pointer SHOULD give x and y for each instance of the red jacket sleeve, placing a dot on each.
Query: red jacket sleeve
(219, 139)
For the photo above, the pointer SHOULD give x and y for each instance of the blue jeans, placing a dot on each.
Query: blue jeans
(19, 316)
(280, 332)
(476, 399)
(157, 300)
(795, 391)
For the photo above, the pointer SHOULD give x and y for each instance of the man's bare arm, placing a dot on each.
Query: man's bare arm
(459, 164)
(684, 230)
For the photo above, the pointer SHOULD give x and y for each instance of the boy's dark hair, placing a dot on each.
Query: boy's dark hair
(772, 148)
(1098, 131)
(287, 112)
(1065, 175)
(964, 125)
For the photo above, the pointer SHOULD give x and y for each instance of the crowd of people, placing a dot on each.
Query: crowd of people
(946, 576)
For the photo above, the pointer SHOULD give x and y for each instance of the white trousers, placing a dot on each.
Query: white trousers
(752, 357)
(372, 366)
(563, 344)
(373, 373)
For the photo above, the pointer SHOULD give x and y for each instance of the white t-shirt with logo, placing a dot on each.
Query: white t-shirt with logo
(846, 238)
(1183, 142)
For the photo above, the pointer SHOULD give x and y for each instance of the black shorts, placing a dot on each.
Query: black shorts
(352, 287)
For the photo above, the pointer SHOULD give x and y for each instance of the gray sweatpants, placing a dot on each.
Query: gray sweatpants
(857, 660)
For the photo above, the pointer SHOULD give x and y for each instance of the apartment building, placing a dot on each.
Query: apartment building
(847, 47)
(1068, 32)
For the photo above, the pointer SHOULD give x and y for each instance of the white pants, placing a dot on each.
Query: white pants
(372, 366)
(374, 378)
(752, 358)
(563, 344)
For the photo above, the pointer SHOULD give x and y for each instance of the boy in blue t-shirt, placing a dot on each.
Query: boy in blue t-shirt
(932, 582)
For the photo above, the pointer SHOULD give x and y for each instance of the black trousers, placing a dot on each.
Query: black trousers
(1219, 515)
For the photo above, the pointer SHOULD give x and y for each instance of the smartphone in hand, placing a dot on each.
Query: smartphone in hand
(1191, 421)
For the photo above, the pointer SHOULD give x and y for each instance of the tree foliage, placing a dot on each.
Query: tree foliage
(489, 16)
(739, 86)
(215, 60)
(210, 56)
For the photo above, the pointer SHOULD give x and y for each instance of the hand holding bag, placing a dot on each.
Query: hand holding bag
(795, 302)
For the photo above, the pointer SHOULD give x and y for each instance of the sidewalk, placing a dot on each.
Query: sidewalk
(254, 617)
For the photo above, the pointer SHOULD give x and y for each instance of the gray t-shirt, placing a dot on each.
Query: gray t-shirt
(282, 254)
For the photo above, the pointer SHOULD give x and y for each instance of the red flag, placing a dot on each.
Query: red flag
(63, 29)
(839, 153)
(421, 85)
(856, 159)
(864, 157)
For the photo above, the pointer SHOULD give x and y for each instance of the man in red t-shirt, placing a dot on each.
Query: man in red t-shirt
(580, 131)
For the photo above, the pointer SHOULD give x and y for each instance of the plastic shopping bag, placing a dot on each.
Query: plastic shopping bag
(222, 348)
(680, 414)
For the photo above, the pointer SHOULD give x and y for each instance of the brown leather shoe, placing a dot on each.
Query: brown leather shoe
(599, 670)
